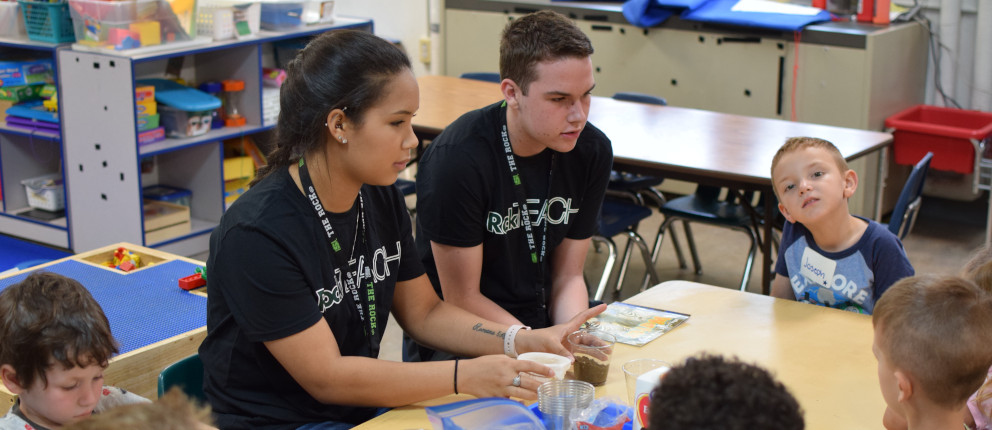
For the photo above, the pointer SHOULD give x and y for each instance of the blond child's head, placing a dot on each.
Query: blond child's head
(173, 411)
(933, 338)
(979, 268)
(811, 180)
(56, 344)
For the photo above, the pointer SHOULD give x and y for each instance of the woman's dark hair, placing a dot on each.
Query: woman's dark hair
(48, 318)
(336, 70)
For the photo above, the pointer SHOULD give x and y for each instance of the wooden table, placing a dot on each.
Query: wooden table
(157, 344)
(822, 355)
(689, 144)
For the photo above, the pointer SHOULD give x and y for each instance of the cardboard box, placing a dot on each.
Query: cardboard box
(160, 214)
(645, 385)
(238, 167)
(21, 93)
(25, 72)
(166, 233)
(165, 220)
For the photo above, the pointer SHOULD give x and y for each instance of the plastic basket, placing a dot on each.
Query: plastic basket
(946, 132)
(48, 22)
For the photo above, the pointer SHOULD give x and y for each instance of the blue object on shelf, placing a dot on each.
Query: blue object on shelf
(180, 97)
(33, 110)
(167, 193)
(281, 16)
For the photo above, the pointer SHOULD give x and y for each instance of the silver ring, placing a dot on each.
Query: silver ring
(516, 381)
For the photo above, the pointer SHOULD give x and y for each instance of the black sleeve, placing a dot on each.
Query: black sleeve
(410, 264)
(587, 223)
(264, 285)
(450, 197)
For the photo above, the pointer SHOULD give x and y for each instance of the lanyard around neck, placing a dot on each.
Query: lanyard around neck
(364, 302)
(536, 257)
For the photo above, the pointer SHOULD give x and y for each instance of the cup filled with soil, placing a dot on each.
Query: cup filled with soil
(592, 350)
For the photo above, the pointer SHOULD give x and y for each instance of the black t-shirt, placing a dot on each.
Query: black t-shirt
(465, 198)
(272, 275)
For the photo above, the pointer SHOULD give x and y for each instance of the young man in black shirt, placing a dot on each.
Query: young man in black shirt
(532, 154)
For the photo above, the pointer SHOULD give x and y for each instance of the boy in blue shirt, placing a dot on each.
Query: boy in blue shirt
(56, 343)
(829, 257)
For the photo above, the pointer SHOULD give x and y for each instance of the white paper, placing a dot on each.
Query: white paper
(767, 6)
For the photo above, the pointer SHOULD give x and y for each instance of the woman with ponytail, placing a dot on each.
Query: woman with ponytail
(307, 265)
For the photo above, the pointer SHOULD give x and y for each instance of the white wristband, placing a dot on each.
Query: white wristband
(509, 346)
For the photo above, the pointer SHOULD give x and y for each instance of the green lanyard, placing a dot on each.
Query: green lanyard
(365, 302)
(536, 257)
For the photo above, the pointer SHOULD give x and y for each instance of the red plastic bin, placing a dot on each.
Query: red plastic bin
(944, 131)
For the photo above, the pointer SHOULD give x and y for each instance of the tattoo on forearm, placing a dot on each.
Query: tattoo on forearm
(479, 328)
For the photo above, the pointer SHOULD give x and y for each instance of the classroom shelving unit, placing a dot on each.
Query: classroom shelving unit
(105, 168)
(26, 154)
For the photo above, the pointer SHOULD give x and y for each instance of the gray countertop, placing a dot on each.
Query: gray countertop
(847, 34)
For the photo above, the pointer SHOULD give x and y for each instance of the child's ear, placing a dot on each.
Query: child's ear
(785, 213)
(905, 385)
(10, 379)
(850, 183)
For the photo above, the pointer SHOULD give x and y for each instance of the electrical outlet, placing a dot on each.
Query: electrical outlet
(425, 50)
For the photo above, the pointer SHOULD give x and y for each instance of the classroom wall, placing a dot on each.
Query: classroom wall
(409, 21)
(963, 89)
(403, 20)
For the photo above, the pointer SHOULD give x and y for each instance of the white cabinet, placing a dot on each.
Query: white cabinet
(106, 168)
(842, 74)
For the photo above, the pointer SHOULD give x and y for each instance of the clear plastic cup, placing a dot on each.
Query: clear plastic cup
(637, 367)
(592, 351)
(557, 399)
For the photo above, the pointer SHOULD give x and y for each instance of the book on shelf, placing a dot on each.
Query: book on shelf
(635, 325)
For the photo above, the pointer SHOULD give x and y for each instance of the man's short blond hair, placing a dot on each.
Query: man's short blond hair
(937, 329)
(793, 144)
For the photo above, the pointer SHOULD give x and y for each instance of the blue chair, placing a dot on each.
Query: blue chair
(482, 76)
(619, 216)
(187, 374)
(908, 205)
(707, 206)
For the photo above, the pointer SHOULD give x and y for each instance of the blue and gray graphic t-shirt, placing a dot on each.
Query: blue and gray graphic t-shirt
(852, 279)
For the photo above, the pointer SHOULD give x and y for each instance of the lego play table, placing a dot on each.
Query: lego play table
(155, 322)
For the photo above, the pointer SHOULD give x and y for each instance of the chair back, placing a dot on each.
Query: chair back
(640, 98)
(909, 199)
(187, 374)
(482, 76)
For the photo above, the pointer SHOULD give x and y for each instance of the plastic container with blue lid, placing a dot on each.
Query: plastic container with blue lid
(168, 194)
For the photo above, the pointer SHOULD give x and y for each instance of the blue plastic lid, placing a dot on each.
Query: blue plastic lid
(181, 97)
(164, 192)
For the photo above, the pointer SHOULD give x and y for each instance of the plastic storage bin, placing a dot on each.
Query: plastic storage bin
(182, 123)
(168, 194)
(45, 192)
(944, 131)
(12, 21)
(287, 15)
(216, 20)
(47, 22)
(132, 24)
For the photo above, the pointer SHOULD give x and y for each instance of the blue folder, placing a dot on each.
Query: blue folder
(33, 110)
(721, 12)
